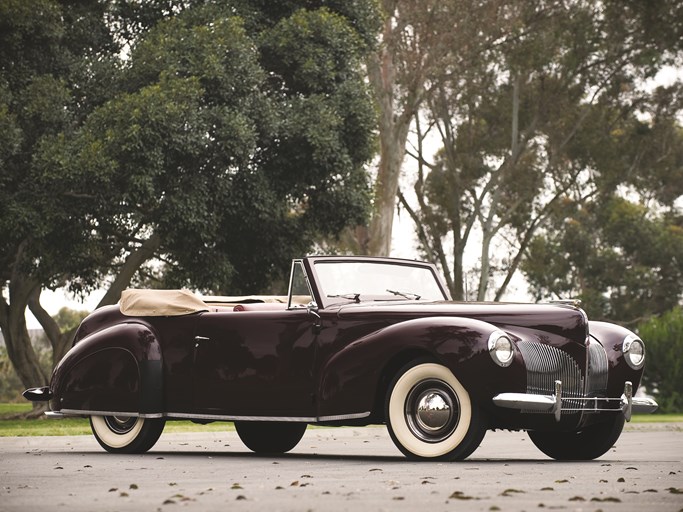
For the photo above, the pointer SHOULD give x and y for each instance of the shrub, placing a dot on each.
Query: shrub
(663, 376)
(11, 387)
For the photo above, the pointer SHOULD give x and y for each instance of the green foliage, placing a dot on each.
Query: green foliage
(541, 107)
(223, 128)
(663, 376)
(68, 318)
(621, 260)
(11, 386)
(164, 141)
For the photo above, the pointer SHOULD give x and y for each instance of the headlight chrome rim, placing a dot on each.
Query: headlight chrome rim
(633, 349)
(498, 341)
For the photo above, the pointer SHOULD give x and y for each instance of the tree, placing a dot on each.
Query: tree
(520, 127)
(413, 42)
(663, 375)
(45, 48)
(616, 256)
(227, 140)
(620, 252)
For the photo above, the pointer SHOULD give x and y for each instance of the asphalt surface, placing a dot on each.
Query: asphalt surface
(337, 470)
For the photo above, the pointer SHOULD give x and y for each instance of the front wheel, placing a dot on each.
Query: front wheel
(586, 444)
(118, 434)
(270, 436)
(430, 414)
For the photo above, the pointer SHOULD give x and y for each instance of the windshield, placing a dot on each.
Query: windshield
(355, 281)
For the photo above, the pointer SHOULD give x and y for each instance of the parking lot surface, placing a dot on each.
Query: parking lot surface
(338, 470)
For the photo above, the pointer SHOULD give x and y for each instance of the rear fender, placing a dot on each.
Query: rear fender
(353, 378)
(116, 369)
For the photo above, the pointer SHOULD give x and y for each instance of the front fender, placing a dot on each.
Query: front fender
(116, 369)
(351, 380)
(611, 337)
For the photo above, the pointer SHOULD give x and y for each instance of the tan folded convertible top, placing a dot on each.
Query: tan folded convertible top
(140, 302)
(160, 303)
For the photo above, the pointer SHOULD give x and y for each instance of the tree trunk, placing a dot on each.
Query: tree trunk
(13, 324)
(132, 264)
(392, 150)
(394, 124)
(60, 341)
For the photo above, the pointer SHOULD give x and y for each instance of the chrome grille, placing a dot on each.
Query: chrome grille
(544, 365)
(597, 369)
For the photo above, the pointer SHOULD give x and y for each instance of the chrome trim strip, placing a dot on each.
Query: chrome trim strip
(221, 417)
(55, 415)
(211, 417)
(340, 417)
(293, 419)
(79, 412)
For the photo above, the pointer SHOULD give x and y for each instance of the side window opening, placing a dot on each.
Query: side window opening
(299, 289)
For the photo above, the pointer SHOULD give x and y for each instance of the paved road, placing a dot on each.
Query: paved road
(338, 470)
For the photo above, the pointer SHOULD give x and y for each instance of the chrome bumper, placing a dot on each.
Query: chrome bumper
(38, 394)
(627, 404)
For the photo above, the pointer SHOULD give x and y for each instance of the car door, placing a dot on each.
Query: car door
(255, 363)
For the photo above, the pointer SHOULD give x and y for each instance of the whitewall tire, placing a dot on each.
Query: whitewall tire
(119, 434)
(430, 415)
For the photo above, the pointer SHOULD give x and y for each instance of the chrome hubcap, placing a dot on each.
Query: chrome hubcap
(120, 425)
(432, 411)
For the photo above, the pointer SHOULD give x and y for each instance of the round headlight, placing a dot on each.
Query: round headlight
(500, 348)
(634, 351)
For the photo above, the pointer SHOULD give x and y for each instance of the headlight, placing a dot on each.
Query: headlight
(500, 348)
(633, 349)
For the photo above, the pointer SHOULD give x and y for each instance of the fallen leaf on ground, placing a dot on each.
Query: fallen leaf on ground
(511, 492)
(459, 495)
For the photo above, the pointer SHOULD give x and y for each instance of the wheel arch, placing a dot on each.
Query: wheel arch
(389, 372)
(356, 378)
(116, 369)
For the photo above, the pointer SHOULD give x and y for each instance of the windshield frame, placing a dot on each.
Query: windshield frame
(324, 302)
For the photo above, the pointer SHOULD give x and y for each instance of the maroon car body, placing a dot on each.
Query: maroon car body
(352, 345)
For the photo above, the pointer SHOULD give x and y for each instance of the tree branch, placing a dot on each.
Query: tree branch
(48, 323)
(133, 262)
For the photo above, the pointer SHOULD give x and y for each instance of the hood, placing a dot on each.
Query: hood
(563, 320)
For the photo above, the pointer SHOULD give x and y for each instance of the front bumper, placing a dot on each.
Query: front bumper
(553, 404)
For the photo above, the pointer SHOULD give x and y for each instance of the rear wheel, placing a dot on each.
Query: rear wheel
(270, 436)
(586, 444)
(126, 434)
(430, 414)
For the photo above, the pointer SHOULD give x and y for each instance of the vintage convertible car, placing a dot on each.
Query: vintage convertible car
(357, 341)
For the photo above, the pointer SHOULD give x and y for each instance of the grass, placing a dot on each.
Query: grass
(81, 426)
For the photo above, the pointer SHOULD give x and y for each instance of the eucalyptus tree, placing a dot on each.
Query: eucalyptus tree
(620, 252)
(519, 113)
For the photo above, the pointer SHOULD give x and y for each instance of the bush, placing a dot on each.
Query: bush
(11, 387)
(663, 337)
